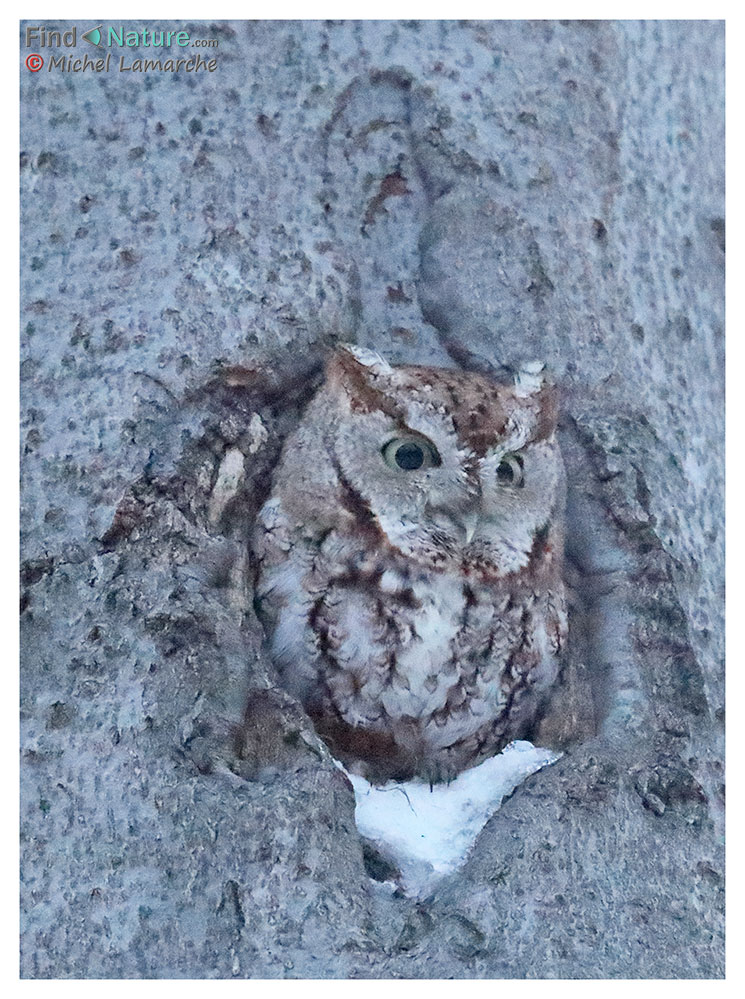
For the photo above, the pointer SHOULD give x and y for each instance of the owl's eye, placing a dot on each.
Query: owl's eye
(510, 471)
(410, 454)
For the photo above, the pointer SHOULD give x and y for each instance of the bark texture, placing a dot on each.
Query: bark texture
(448, 193)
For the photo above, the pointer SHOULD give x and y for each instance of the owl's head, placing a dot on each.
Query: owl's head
(449, 466)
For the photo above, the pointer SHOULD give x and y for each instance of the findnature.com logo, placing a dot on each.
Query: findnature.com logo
(117, 37)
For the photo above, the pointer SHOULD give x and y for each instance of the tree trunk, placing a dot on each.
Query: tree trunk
(458, 193)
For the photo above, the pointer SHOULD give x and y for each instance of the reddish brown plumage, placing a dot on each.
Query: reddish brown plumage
(416, 613)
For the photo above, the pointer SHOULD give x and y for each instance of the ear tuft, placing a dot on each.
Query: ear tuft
(530, 378)
(350, 364)
(365, 378)
(367, 358)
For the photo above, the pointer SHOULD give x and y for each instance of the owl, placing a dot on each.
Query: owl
(409, 563)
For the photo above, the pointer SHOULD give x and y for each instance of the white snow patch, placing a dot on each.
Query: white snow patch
(428, 833)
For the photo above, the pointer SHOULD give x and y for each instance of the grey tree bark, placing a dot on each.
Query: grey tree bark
(449, 193)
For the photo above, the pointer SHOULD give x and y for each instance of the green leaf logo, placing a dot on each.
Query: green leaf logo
(93, 36)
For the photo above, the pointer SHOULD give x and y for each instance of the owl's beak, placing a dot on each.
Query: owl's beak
(469, 522)
(464, 521)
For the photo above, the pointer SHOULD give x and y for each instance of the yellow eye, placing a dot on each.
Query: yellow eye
(510, 471)
(410, 454)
